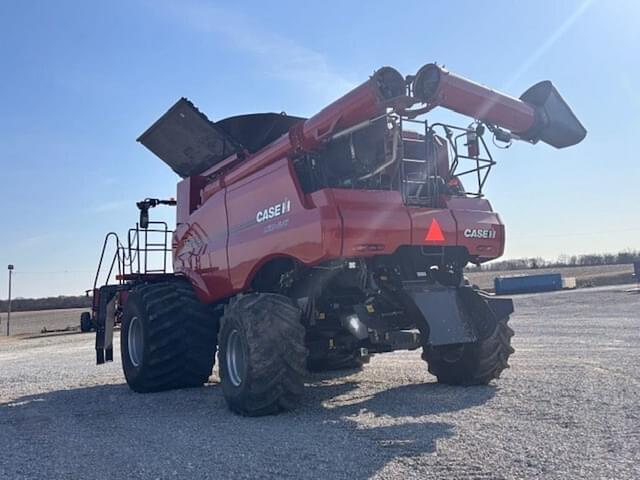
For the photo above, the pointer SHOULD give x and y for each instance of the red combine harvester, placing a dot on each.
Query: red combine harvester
(314, 243)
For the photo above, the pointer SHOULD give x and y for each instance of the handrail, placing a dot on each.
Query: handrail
(132, 258)
(115, 257)
(138, 246)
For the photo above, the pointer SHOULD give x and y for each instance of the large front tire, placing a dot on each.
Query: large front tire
(262, 354)
(472, 364)
(168, 337)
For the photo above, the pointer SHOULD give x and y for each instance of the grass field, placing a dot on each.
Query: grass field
(595, 276)
(37, 321)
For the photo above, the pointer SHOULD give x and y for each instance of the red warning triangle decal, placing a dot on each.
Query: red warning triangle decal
(434, 233)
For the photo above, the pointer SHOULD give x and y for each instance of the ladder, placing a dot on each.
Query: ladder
(419, 179)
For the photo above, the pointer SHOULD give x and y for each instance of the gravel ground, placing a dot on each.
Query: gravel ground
(568, 408)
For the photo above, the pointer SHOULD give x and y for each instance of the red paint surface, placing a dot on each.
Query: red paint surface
(222, 245)
(481, 102)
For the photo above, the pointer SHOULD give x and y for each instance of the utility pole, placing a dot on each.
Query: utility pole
(10, 268)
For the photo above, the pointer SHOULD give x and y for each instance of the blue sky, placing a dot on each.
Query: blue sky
(81, 80)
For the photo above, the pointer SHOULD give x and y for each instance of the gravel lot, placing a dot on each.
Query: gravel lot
(568, 408)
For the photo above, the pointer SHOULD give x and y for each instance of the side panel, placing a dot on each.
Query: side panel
(200, 246)
(270, 217)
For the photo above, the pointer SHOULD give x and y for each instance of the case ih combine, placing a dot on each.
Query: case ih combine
(314, 243)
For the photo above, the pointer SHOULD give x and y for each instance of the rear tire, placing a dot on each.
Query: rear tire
(262, 354)
(472, 364)
(168, 337)
(85, 322)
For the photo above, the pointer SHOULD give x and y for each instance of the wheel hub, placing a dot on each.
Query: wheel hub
(235, 358)
(135, 342)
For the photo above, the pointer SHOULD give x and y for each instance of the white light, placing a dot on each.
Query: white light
(354, 322)
(354, 325)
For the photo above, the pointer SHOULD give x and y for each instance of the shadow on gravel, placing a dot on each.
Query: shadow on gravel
(338, 432)
(397, 419)
(413, 400)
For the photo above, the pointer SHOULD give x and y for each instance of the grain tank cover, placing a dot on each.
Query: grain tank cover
(187, 141)
(257, 130)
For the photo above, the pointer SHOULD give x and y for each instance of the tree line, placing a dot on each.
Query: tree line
(592, 259)
(48, 303)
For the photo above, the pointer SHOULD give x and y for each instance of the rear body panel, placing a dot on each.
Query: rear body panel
(239, 228)
(373, 222)
(479, 229)
(268, 217)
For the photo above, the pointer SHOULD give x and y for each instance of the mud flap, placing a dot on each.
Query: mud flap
(104, 323)
(485, 310)
(457, 315)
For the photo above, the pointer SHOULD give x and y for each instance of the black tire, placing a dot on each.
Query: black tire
(335, 361)
(177, 335)
(262, 354)
(472, 364)
(85, 322)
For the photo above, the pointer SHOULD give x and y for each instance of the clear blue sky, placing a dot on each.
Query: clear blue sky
(81, 80)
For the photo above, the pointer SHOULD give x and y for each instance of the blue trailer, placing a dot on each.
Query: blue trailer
(528, 283)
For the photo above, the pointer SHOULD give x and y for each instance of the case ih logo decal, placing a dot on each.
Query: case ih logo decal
(480, 233)
(274, 211)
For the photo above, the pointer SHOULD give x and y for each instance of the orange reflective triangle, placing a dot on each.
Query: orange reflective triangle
(434, 233)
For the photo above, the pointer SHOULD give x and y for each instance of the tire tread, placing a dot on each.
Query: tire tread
(277, 353)
(181, 337)
(480, 363)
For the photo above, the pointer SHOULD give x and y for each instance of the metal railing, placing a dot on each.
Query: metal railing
(421, 182)
(135, 257)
